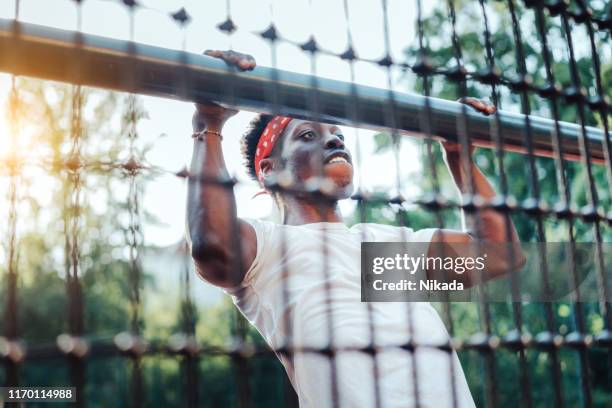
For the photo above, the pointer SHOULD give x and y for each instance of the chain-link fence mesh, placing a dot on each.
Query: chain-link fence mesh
(545, 65)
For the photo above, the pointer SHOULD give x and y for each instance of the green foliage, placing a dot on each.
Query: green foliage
(103, 233)
(467, 319)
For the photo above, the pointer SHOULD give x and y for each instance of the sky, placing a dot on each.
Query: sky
(296, 20)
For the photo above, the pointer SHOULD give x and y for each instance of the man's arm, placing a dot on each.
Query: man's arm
(495, 230)
(222, 246)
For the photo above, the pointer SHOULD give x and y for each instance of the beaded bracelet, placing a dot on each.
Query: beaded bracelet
(200, 135)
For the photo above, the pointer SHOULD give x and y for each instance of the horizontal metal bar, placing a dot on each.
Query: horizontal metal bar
(104, 348)
(68, 56)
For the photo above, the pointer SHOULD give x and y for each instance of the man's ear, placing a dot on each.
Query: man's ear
(266, 165)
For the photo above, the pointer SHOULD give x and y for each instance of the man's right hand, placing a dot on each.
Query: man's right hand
(211, 115)
(244, 62)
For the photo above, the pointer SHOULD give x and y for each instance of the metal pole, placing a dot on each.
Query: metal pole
(50, 53)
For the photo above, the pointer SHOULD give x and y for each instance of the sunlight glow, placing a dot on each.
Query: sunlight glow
(18, 136)
(4, 131)
(21, 153)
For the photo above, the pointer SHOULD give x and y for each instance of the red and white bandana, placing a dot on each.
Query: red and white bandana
(267, 141)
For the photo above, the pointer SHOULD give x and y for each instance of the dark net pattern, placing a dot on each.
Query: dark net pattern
(537, 355)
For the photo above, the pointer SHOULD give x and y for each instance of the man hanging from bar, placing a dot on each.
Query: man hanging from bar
(298, 282)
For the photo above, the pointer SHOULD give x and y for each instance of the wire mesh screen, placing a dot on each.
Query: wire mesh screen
(99, 286)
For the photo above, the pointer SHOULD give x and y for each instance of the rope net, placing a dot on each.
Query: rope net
(99, 289)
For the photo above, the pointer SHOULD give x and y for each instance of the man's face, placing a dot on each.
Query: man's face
(316, 151)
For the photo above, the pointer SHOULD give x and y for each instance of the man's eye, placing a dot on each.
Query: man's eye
(310, 135)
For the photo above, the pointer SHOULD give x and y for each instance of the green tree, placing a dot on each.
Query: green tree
(46, 218)
(438, 48)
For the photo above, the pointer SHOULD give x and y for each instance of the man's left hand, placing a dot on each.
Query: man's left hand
(482, 106)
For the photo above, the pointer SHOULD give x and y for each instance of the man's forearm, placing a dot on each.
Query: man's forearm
(490, 225)
(210, 204)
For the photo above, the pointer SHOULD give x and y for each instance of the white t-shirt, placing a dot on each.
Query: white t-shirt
(294, 300)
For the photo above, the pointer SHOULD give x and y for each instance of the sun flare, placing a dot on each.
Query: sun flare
(4, 131)
(17, 136)
(21, 152)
